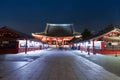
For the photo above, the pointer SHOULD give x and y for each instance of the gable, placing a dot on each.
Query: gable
(111, 35)
(11, 33)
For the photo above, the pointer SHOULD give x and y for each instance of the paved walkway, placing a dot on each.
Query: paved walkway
(108, 61)
(61, 65)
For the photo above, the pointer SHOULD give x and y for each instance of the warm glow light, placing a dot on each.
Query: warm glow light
(37, 36)
(78, 36)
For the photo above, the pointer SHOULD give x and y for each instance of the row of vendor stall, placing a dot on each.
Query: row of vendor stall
(105, 42)
(12, 41)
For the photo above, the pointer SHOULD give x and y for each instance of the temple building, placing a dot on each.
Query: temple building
(57, 35)
(107, 42)
(12, 41)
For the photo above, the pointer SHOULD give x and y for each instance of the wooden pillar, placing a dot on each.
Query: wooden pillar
(43, 46)
(62, 42)
(93, 47)
(17, 44)
(56, 42)
(50, 40)
(102, 46)
(45, 41)
(26, 47)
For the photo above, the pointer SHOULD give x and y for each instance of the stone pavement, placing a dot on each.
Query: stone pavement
(61, 65)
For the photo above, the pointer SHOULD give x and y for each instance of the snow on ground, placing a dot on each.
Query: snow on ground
(109, 62)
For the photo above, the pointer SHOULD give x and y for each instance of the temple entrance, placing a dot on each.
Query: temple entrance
(60, 43)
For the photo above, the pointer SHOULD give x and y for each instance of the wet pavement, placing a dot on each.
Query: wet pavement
(59, 65)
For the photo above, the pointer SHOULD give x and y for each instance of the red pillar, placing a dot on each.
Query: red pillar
(46, 42)
(62, 42)
(51, 41)
(17, 46)
(56, 42)
(93, 47)
(26, 47)
(102, 46)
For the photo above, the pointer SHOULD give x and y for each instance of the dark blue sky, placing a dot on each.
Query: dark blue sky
(32, 15)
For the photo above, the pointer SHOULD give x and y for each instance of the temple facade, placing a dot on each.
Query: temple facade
(57, 35)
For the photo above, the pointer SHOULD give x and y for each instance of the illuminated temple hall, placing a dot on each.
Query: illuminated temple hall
(57, 35)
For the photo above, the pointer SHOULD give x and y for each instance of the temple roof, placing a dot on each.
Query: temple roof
(9, 33)
(109, 34)
(59, 30)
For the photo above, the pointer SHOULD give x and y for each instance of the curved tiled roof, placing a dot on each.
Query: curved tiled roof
(6, 31)
(59, 30)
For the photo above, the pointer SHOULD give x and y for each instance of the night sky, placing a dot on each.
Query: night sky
(32, 15)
